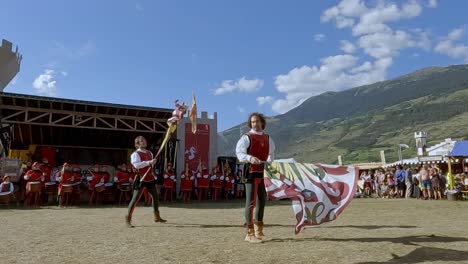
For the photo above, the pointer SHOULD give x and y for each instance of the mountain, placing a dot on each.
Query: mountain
(359, 122)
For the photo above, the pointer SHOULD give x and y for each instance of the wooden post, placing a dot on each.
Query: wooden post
(450, 177)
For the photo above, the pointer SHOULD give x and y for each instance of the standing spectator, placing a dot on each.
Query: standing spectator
(416, 185)
(464, 181)
(426, 182)
(442, 183)
(435, 183)
(400, 175)
(384, 190)
(408, 182)
(391, 185)
(367, 184)
(382, 180)
(375, 182)
(459, 182)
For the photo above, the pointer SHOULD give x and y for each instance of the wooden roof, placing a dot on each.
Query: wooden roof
(63, 122)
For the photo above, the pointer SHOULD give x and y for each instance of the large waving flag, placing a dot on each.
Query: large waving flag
(319, 193)
(193, 114)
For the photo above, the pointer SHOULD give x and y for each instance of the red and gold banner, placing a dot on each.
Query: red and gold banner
(197, 145)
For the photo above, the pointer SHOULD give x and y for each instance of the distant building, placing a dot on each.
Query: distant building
(435, 154)
(441, 149)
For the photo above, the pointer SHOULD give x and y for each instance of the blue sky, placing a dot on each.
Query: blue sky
(237, 56)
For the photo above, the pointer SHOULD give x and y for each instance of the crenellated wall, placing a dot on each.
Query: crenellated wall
(10, 62)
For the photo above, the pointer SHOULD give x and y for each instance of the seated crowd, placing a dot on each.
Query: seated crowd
(71, 184)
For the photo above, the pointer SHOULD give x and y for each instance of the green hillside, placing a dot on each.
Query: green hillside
(359, 122)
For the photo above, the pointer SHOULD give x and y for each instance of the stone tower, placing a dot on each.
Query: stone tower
(421, 142)
(9, 63)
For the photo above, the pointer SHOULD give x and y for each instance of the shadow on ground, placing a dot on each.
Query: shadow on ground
(175, 225)
(407, 240)
(428, 254)
(369, 227)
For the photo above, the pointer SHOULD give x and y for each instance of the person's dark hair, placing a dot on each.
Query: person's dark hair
(261, 116)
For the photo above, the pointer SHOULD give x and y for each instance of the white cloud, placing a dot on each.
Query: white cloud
(139, 7)
(264, 100)
(86, 48)
(455, 34)
(449, 47)
(45, 83)
(367, 20)
(241, 85)
(64, 73)
(370, 24)
(63, 51)
(374, 20)
(347, 46)
(241, 109)
(319, 37)
(336, 73)
(385, 44)
(14, 81)
(422, 40)
(344, 13)
(432, 3)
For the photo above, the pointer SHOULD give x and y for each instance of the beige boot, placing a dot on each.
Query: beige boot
(158, 219)
(128, 221)
(259, 230)
(250, 237)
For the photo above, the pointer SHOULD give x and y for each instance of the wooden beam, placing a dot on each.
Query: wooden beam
(123, 122)
(104, 121)
(4, 119)
(161, 125)
(83, 121)
(150, 125)
(30, 134)
(42, 135)
(129, 129)
(20, 133)
(143, 124)
(61, 119)
(20, 108)
(37, 117)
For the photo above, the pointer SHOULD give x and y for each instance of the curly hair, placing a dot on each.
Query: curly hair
(259, 115)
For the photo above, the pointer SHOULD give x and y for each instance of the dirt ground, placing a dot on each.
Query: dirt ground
(368, 231)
